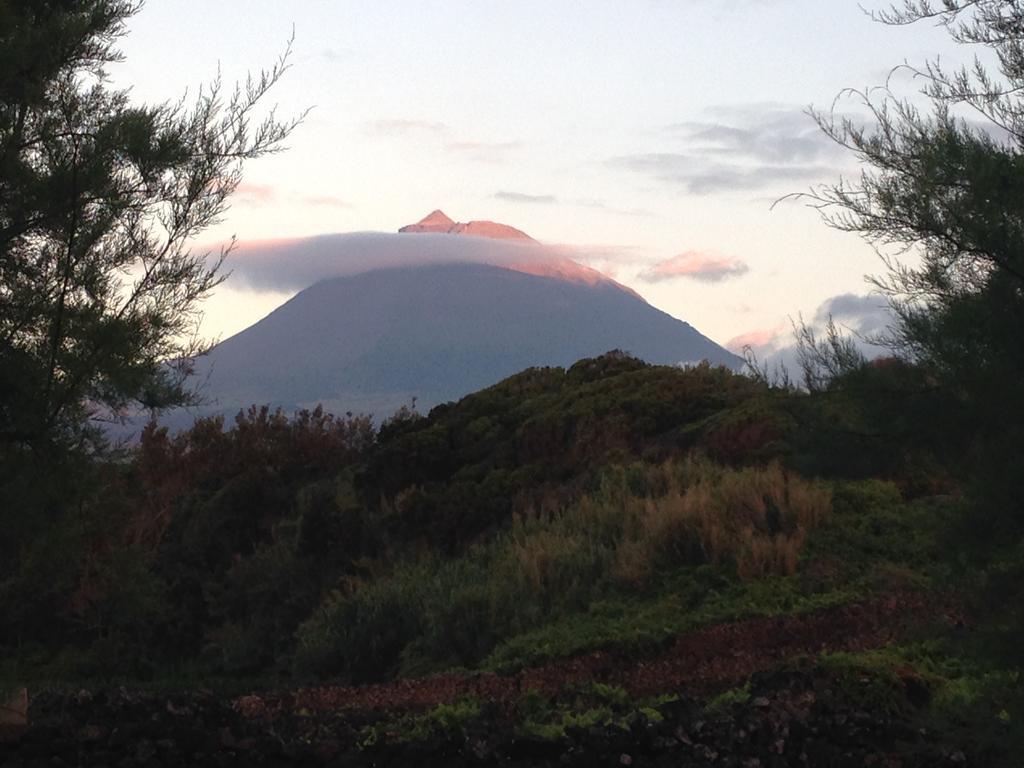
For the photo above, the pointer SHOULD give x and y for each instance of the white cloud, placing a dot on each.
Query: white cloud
(292, 265)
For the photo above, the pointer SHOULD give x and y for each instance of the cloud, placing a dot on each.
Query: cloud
(864, 315)
(522, 197)
(253, 194)
(261, 194)
(861, 317)
(601, 256)
(295, 264)
(404, 127)
(765, 128)
(699, 176)
(483, 147)
(479, 152)
(767, 143)
(334, 54)
(741, 148)
(695, 265)
(442, 135)
(609, 260)
(600, 205)
(759, 339)
(329, 201)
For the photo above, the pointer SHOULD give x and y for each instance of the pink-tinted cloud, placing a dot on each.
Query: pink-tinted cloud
(523, 197)
(254, 194)
(327, 200)
(247, 193)
(759, 339)
(594, 254)
(297, 263)
(706, 267)
(484, 146)
(405, 127)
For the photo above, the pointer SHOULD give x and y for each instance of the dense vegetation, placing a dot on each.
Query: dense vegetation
(313, 545)
(608, 507)
(216, 544)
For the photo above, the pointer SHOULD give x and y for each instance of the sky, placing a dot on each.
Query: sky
(650, 136)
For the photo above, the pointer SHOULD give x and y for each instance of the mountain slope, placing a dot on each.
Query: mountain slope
(371, 342)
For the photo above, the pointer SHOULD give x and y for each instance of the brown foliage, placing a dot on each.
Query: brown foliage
(755, 518)
(308, 445)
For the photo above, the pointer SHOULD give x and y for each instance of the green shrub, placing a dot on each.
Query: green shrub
(726, 700)
(360, 637)
(546, 566)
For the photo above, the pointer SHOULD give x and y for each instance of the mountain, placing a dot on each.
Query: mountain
(439, 223)
(372, 342)
(433, 313)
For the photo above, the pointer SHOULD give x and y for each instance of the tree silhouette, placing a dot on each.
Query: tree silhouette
(100, 200)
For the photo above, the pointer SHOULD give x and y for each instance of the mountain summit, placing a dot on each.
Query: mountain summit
(436, 221)
(549, 264)
(439, 223)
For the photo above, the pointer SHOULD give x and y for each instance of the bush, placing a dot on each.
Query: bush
(360, 637)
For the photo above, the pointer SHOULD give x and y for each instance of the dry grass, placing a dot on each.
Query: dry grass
(756, 519)
(692, 512)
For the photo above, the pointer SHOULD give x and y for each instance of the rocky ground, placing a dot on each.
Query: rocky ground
(792, 713)
(699, 663)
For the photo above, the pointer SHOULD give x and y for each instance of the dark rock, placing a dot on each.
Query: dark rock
(11, 734)
(533, 748)
(40, 733)
(144, 751)
(93, 733)
(190, 738)
(298, 752)
(326, 751)
(795, 717)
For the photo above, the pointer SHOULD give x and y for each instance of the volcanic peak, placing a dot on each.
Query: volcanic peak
(437, 222)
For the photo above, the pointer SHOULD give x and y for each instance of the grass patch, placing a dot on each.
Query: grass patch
(595, 704)
(688, 523)
(726, 700)
(873, 542)
(443, 721)
(642, 625)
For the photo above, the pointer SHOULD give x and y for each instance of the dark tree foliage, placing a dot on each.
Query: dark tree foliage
(100, 199)
(942, 197)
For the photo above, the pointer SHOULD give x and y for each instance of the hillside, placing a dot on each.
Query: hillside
(587, 560)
